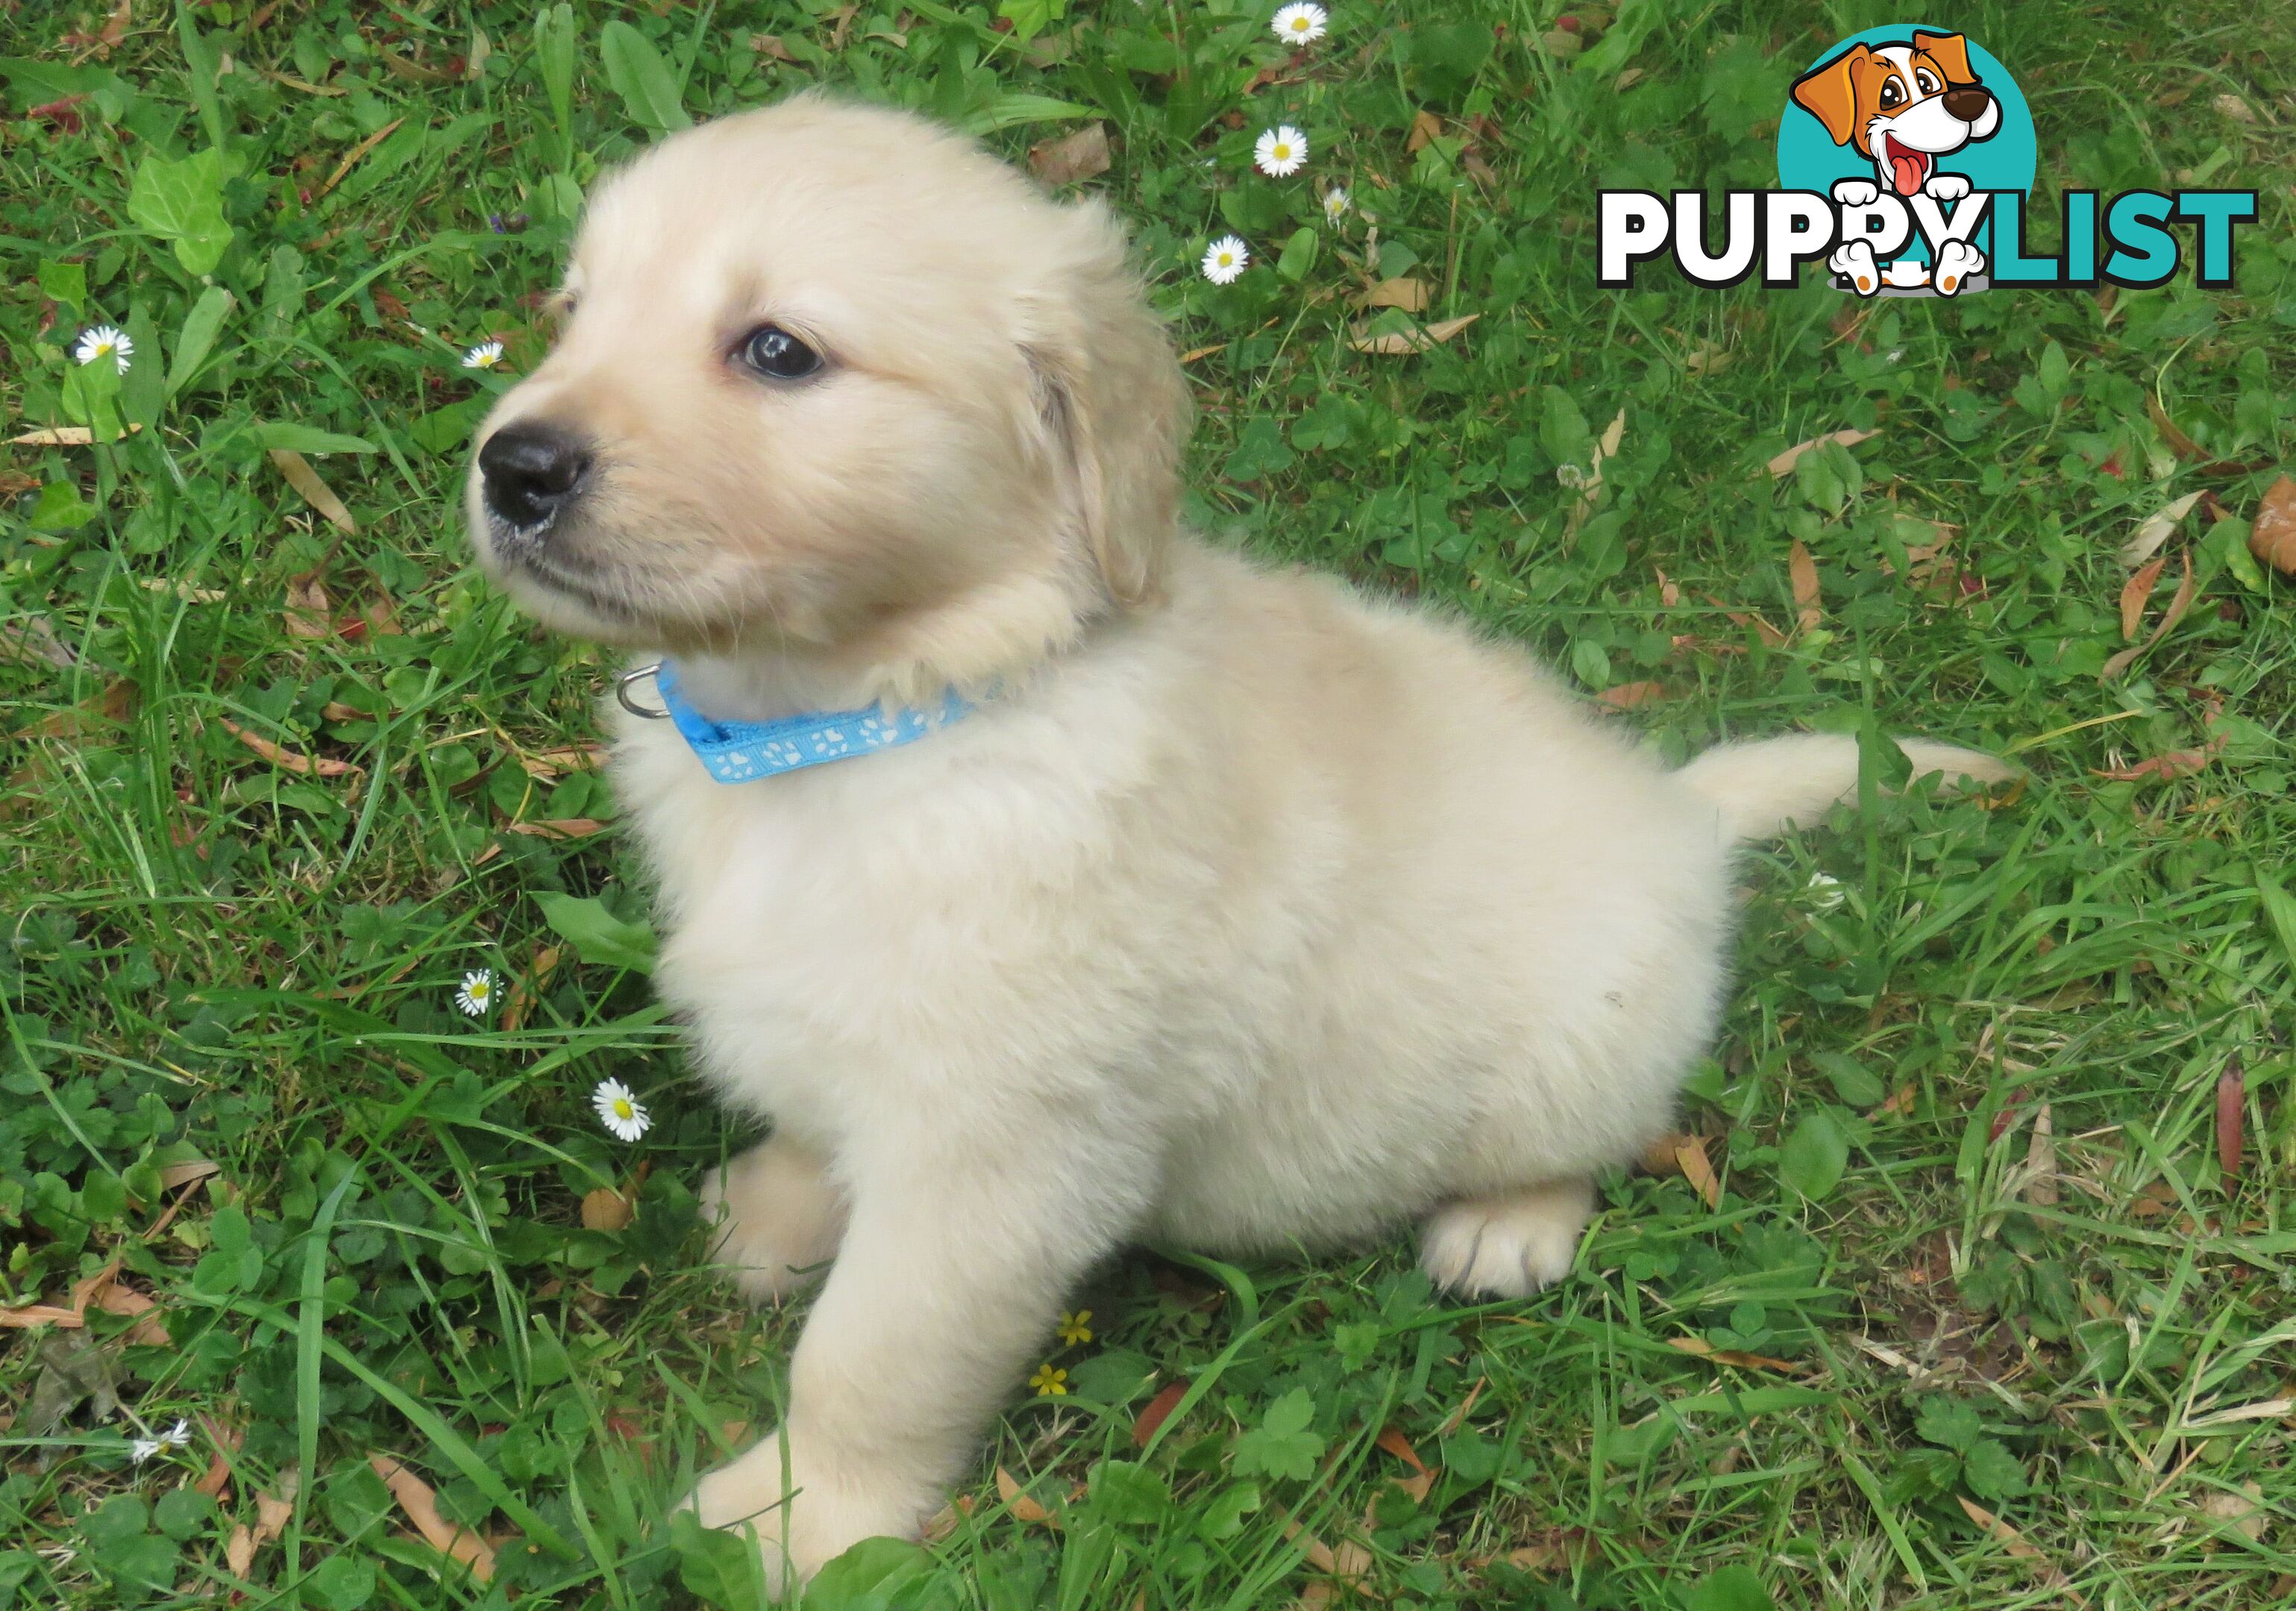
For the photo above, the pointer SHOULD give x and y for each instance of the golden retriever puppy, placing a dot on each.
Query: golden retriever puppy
(1164, 895)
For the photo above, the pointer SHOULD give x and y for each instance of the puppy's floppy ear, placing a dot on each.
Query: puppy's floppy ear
(1949, 51)
(1828, 92)
(1111, 407)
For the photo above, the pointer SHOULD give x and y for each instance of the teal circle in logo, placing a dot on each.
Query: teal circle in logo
(1851, 101)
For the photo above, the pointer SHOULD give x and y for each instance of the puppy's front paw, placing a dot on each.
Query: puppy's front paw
(1856, 193)
(802, 1521)
(1855, 263)
(1507, 1246)
(1956, 260)
(1946, 187)
(778, 1219)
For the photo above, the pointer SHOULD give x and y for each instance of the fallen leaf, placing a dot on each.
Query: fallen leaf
(416, 72)
(89, 719)
(2179, 443)
(2232, 106)
(33, 641)
(1074, 156)
(40, 1314)
(2156, 528)
(62, 436)
(2273, 538)
(1391, 1438)
(1803, 569)
(1668, 594)
(175, 1176)
(558, 828)
(1631, 696)
(1703, 1349)
(308, 613)
(527, 987)
(1158, 1411)
(350, 159)
(2136, 593)
(2242, 1507)
(1022, 1507)
(2232, 1118)
(315, 491)
(1690, 1157)
(604, 1210)
(280, 755)
(184, 591)
(1397, 342)
(2041, 1160)
(416, 1498)
(1783, 463)
(2175, 764)
(1408, 294)
(239, 1552)
(1425, 126)
(770, 46)
(2181, 601)
(1194, 353)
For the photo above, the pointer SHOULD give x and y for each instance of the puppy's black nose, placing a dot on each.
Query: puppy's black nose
(530, 468)
(1968, 102)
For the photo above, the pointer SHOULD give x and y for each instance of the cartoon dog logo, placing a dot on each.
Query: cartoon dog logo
(1902, 107)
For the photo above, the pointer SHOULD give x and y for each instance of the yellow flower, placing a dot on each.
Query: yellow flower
(1076, 1329)
(1050, 1382)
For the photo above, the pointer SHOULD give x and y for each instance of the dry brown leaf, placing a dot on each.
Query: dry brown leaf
(1803, 569)
(416, 1498)
(61, 436)
(1194, 353)
(2232, 1118)
(2242, 1509)
(2232, 106)
(2136, 593)
(1425, 126)
(604, 1210)
(1690, 1157)
(2175, 764)
(2178, 603)
(272, 1514)
(40, 1314)
(2273, 538)
(315, 491)
(2156, 528)
(351, 157)
(2041, 1160)
(226, 1441)
(184, 591)
(1783, 463)
(280, 755)
(175, 1176)
(1408, 294)
(1397, 343)
(239, 1552)
(415, 72)
(2008, 1535)
(558, 828)
(2179, 443)
(1393, 1439)
(382, 619)
(1668, 594)
(1158, 1411)
(1631, 696)
(89, 719)
(1022, 1507)
(309, 609)
(1703, 1349)
(1074, 156)
(526, 988)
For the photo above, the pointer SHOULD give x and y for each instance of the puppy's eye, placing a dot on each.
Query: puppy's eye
(772, 351)
(1928, 81)
(1891, 95)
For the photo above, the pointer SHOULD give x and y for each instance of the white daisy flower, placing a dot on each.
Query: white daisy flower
(173, 1437)
(1281, 151)
(618, 1111)
(104, 338)
(486, 355)
(1823, 892)
(1300, 23)
(478, 991)
(1226, 258)
(1336, 202)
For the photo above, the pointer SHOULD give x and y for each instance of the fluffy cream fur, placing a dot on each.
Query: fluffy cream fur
(1248, 914)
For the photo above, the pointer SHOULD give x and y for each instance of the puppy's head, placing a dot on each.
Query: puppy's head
(833, 381)
(1903, 105)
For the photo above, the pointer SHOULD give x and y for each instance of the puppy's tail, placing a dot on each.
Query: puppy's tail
(1765, 786)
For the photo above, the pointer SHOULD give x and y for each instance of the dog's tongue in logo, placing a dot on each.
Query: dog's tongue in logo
(1908, 167)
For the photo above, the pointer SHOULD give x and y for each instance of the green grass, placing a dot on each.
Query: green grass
(207, 956)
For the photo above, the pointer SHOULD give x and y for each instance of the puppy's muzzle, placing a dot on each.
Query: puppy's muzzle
(530, 469)
(1968, 102)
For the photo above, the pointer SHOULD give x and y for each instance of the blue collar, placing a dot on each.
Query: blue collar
(738, 752)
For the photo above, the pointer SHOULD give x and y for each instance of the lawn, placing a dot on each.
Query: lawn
(1966, 1284)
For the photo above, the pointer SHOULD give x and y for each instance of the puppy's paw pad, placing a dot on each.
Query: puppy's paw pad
(1946, 187)
(1856, 193)
(1957, 260)
(1505, 1246)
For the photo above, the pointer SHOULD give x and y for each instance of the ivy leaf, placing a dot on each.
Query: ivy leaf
(1282, 1445)
(181, 202)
